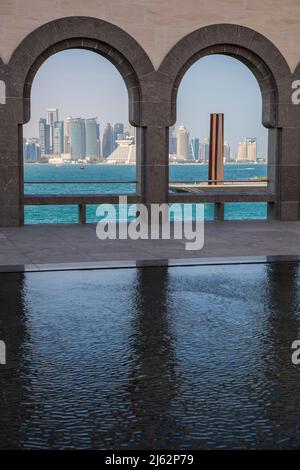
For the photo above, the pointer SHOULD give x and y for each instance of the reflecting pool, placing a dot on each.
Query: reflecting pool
(195, 357)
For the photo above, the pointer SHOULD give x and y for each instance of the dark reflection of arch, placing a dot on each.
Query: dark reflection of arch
(152, 378)
(282, 377)
(13, 388)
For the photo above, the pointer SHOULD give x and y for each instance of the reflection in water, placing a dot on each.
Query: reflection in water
(13, 380)
(145, 417)
(282, 377)
(153, 382)
(194, 357)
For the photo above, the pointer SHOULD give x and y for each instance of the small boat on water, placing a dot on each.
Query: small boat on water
(82, 167)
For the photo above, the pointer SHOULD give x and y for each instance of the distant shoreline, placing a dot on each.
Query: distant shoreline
(128, 165)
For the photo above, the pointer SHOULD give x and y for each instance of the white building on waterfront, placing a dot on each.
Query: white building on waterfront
(182, 143)
(246, 151)
(125, 153)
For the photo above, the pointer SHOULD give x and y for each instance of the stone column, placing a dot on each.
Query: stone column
(155, 122)
(285, 142)
(156, 164)
(11, 213)
(288, 179)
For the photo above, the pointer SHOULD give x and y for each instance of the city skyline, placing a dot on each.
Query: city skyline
(78, 138)
(97, 89)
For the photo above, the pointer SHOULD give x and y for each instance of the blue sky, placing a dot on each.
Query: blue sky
(82, 83)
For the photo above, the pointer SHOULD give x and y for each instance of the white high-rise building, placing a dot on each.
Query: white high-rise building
(204, 151)
(241, 152)
(226, 152)
(182, 143)
(251, 149)
(247, 150)
(67, 144)
(52, 116)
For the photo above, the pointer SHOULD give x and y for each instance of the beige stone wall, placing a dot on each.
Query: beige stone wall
(158, 24)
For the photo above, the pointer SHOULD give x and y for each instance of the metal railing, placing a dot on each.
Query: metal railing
(227, 181)
(81, 200)
(83, 182)
(224, 181)
(213, 195)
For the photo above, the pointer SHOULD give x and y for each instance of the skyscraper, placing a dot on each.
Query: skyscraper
(92, 138)
(67, 144)
(77, 138)
(227, 153)
(196, 148)
(131, 132)
(206, 150)
(182, 143)
(107, 141)
(191, 154)
(32, 150)
(24, 147)
(58, 137)
(172, 141)
(251, 149)
(247, 150)
(118, 133)
(52, 117)
(44, 134)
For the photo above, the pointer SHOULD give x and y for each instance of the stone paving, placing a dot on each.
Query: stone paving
(59, 244)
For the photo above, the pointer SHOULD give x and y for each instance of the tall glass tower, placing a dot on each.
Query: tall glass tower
(58, 137)
(107, 141)
(196, 148)
(52, 117)
(44, 134)
(67, 144)
(77, 138)
(92, 138)
(118, 133)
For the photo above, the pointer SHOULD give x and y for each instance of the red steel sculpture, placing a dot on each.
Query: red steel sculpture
(216, 143)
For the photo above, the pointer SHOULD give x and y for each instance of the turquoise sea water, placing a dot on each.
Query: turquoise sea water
(69, 214)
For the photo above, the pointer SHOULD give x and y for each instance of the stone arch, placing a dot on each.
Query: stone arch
(79, 32)
(273, 75)
(152, 100)
(296, 73)
(253, 49)
(64, 33)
